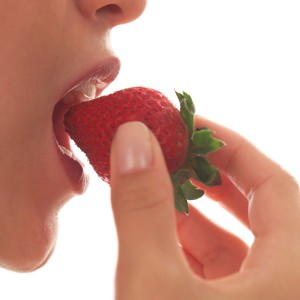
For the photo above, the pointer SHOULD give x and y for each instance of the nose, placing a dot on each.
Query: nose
(115, 11)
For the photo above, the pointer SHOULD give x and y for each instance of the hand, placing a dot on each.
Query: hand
(211, 263)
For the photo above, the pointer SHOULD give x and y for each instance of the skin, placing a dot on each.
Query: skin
(211, 263)
(45, 46)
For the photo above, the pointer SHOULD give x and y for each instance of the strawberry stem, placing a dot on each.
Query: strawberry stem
(201, 143)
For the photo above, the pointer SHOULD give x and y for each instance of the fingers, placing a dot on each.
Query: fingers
(272, 192)
(229, 197)
(150, 263)
(211, 251)
(142, 195)
(143, 206)
(273, 196)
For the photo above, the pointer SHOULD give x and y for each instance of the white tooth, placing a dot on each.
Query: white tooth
(65, 151)
(88, 90)
(83, 92)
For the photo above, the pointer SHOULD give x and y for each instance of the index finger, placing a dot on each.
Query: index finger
(272, 193)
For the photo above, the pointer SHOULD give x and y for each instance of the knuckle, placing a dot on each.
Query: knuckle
(292, 182)
(287, 184)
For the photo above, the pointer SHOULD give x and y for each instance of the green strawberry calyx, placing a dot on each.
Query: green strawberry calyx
(197, 166)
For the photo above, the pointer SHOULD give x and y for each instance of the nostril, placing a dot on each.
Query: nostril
(117, 12)
(111, 12)
(112, 9)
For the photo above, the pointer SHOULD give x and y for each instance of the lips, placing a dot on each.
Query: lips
(83, 88)
(90, 85)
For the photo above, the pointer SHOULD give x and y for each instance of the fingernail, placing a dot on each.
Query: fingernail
(133, 148)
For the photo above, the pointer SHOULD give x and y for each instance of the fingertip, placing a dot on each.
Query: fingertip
(132, 149)
(141, 189)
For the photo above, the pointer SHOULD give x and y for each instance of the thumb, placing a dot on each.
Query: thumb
(142, 194)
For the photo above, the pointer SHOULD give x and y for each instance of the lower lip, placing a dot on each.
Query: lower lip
(75, 172)
(71, 165)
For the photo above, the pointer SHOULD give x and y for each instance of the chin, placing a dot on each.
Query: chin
(31, 249)
(31, 204)
(29, 233)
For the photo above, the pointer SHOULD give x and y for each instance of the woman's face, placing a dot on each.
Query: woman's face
(51, 54)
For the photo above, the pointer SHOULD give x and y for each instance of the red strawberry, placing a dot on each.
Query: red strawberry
(93, 124)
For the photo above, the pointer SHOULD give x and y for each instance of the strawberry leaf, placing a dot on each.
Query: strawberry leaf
(187, 111)
(181, 203)
(190, 191)
(206, 172)
(204, 142)
(201, 143)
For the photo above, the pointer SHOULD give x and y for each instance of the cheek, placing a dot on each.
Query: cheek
(31, 37)
(28, 241)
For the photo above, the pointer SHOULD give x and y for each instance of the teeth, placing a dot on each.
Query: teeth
(88, 90)
(65, 151)
(84, 92)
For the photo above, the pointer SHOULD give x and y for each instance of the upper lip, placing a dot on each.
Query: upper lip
(104, 72)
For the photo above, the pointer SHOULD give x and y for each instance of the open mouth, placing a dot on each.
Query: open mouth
(87, 89)
(84, 92)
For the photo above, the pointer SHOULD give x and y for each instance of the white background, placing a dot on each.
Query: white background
(240, 62)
